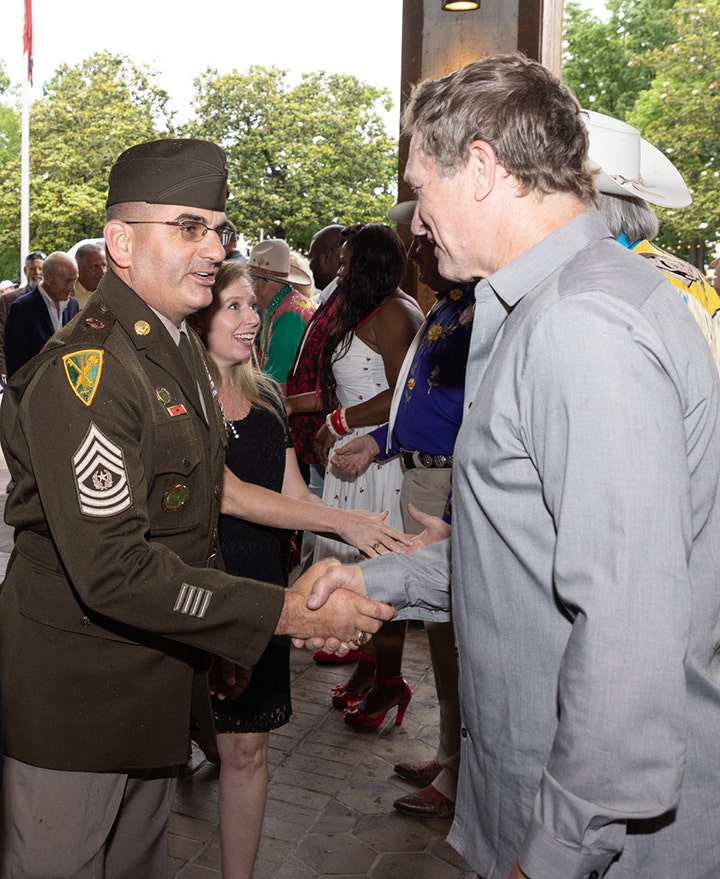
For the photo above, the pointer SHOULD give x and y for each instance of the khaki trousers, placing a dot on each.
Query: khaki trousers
(84, 825)
(428, 490)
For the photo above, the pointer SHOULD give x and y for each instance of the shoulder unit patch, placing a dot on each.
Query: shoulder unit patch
(83, 370)
(100, 475)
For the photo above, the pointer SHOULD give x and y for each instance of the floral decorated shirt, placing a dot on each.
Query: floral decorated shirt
(431, 408)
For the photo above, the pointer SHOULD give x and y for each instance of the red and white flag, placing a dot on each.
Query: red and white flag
(27, 39)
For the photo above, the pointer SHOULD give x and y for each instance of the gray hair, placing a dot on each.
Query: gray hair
(531, 120)
(85, 250)
(628, 215)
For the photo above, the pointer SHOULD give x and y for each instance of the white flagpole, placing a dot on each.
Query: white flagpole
(25, 178)
(25, 139)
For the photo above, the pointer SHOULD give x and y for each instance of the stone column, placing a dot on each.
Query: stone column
(436, 42)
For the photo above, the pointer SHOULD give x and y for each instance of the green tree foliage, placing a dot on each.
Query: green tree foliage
(608, 63)
(300, 156)
(595, 63)
(680, 114)
(9, 124)
(4, 79)
(88, 115)
(654, 63)
(9, 151)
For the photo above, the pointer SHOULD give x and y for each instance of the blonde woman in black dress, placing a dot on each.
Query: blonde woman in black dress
(263, 492)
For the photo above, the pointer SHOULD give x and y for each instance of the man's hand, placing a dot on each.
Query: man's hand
(517, 873)
(435, 529)
(356, 456)
(333, 615)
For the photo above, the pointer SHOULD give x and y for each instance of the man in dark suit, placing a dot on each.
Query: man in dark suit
(114, 598)
(33, 276)
(36, 315)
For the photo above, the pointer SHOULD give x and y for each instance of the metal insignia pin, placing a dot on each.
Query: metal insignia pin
(175, 498)
(163, 394)
(142, 327)
(94, 323)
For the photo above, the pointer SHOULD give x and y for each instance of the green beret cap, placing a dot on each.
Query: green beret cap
(180, 172)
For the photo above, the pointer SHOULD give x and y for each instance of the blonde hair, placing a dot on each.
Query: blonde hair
(246, 378)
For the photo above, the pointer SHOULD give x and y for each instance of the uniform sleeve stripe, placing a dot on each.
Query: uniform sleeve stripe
(193, 600)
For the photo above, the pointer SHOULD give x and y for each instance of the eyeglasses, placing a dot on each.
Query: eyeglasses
(190, 230)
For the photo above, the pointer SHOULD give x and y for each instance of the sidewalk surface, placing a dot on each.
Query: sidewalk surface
(329, 810)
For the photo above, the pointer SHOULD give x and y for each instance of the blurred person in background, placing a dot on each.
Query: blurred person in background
(91, 265)
(32, 269)
(285, 309)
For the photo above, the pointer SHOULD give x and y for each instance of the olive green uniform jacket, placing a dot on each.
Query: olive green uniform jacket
(112, 600)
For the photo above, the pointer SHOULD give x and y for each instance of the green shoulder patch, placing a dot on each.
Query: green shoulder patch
(83, 369)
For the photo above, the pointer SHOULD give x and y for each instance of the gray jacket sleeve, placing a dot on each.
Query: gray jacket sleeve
(418, 585)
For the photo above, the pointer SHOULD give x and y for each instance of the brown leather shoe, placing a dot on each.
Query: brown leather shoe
(421, 774)
(426, 803)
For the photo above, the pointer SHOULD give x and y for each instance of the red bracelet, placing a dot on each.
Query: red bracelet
(336, 419)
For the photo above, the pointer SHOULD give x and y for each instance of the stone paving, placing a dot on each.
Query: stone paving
(329, 810)
(331, 791)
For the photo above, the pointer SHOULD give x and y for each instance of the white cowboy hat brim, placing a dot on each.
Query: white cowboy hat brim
(631, 166)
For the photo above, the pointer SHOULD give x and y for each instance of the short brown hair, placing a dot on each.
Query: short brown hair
(531, 120)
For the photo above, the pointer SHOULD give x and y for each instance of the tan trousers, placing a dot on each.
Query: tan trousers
(428, 490)
(84, 825)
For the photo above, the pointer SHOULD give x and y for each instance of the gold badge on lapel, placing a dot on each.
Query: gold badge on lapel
(175, 498)
(142, 327)
(83, 370)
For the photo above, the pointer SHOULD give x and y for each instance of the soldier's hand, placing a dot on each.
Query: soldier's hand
(334, 615)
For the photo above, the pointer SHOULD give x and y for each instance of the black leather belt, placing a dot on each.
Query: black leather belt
(422, 459)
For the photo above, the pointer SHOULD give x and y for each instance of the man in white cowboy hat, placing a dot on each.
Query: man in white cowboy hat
(287, 310)
(634, 172)
(582, 570)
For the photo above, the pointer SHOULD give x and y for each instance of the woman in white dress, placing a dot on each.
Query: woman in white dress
(371, 329)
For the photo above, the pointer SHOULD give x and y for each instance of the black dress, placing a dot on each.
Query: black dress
(256, 453)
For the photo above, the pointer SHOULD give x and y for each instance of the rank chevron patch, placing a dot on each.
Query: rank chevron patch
(100, 475)
(83, 370)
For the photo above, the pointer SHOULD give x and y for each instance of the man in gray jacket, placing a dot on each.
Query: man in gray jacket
(585, 569)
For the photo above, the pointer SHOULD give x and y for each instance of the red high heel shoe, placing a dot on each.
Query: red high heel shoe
(343, 697)
(355, 717)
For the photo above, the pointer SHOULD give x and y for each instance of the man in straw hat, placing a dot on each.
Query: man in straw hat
(113, 600)
(586, 513)
(633, 173)
(286, 310)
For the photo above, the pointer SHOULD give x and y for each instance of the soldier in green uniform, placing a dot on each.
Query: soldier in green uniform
(114, 595)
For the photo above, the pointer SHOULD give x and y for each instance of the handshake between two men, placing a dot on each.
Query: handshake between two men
(328, 606)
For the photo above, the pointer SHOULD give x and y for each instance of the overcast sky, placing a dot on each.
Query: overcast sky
(181, 40)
